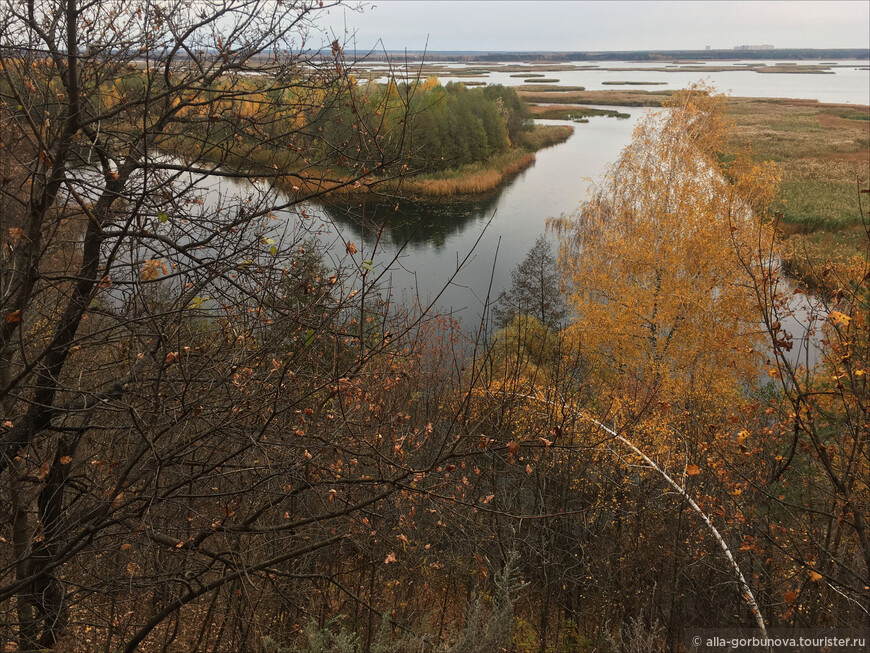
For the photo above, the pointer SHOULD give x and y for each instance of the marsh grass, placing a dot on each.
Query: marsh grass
(542, 87)
(819, 205)
(574, 113)
(485, 177)
(795, 69)
(783, 130)
(633, 83)
(474, 179)
(823, 151)
(613, 98)
(810, 257)
(542, 136)
(468, 180)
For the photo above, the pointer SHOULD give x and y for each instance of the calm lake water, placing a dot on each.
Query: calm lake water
(847, 82)
(429, 239)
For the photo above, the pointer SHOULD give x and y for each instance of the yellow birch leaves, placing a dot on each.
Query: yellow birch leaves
(651, 262)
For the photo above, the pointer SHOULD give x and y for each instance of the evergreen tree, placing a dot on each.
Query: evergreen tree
(534, 289)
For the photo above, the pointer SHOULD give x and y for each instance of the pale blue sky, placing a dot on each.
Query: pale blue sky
(612, 25)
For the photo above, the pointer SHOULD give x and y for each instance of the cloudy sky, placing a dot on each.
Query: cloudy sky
(612, 25)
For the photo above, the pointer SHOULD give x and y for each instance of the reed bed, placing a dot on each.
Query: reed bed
(545, 136)
(823, 152)
(573, 112)
(469, 180)
(612, 98)
(534, 87)
(474, 179)
(633, 83)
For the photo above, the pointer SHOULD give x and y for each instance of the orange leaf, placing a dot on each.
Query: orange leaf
(513, 447)
(790, 596)
(815, 576)
(839, 318)
(350, 248)
(152, 268)
(390, 558)
(692, 470)
(13, 317)
(65, 460)
(43, 471)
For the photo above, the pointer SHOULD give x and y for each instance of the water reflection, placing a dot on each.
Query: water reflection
(418, 249)
(415, 223)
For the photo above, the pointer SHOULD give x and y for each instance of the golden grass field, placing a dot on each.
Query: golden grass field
(823, 152)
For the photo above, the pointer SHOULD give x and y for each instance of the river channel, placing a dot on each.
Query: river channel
(430, 240)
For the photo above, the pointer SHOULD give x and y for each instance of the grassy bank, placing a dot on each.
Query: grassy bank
(633, 83)
(613, 98)
(464, 181)
(575, 113)
(823, 151)
(467, 180)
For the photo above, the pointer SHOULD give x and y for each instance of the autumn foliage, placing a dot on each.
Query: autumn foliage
(215, 438)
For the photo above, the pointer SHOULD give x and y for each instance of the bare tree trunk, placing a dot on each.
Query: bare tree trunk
(28, 630)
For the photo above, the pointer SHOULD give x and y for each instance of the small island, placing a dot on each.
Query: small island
(422, 139)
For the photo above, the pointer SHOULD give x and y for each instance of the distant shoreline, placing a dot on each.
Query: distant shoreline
(861, 54)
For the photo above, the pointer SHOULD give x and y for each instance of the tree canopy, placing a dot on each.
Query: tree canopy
(651, 261)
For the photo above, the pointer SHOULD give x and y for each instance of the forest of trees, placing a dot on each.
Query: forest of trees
(392, 129)
(433, 127)
(213, 438)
